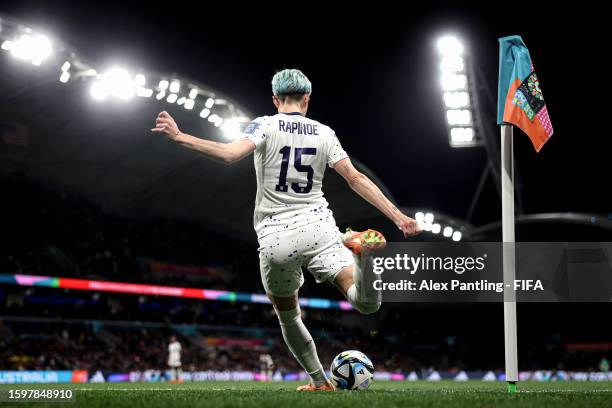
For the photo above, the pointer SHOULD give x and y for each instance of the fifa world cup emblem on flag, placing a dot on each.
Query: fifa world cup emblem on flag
(520, 100)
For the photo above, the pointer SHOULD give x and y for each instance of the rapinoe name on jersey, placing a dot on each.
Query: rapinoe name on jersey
(298, 128)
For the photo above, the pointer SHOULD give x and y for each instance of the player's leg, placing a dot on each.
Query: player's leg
(172, 374)
(332, 261)
(298, 339)
(281, 275)
(365, 299)
(356, 287)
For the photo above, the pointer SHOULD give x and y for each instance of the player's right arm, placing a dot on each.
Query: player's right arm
(362, 185)
(227, 153)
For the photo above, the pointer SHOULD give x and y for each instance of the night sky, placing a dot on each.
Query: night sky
(375, 81)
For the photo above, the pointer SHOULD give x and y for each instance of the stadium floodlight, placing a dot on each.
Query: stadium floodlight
(144, 92)
(435, 223)
(97, 91)
(116, 82)
(31, 47)
(429, 217)
(450, 45)
(419, 217)
(454, 100)
(22, 42)
(424, 221)
(455, 81)
(231, 128)
(140, 80)
(64, 77)
(461, 135)
(452, 63)
(175, 86)
(459, 117)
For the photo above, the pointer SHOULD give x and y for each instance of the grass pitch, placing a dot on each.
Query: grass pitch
(281, 394)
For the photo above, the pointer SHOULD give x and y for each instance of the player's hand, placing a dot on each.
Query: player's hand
(165, 124)
(408, 226)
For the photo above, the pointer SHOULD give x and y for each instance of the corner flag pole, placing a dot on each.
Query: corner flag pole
(519, 103)
(509, 272)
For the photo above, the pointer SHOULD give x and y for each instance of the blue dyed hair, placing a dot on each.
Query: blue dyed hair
(290, 82)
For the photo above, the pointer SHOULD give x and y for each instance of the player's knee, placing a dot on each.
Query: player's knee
(289, 317)
(284, 303)
(367, 308)
(344, 280)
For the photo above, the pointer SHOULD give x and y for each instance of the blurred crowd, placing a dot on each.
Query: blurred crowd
(96, 346)
(53, 233)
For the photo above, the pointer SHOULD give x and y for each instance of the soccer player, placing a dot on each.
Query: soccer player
(266, 365)
(174, 360)
(294, 227)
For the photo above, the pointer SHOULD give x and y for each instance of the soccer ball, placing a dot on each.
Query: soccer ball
(352, 370)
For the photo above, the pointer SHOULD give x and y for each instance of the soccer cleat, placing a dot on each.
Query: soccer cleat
(358, 241)
(311, 387)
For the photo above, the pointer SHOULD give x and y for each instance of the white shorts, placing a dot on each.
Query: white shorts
(317, 247)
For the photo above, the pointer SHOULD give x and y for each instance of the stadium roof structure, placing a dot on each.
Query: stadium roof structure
(65, 122)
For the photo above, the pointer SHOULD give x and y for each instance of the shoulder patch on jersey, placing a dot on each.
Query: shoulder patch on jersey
(251, 128)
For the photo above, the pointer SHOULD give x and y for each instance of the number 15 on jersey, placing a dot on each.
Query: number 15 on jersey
(297, 164)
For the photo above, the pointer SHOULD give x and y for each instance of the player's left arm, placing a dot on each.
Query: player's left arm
(227, 153)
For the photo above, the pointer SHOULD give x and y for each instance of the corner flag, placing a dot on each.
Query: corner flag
(520, 101)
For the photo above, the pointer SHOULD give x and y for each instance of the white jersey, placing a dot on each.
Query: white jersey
(174, 354)
(266, 361)
(291, 155)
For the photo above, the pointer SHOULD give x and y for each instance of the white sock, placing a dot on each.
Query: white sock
(301, 344)
(362, 295)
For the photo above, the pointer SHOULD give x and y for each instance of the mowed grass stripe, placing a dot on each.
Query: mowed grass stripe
(382, 394)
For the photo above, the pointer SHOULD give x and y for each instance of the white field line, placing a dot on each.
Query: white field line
(375, 391)
(159, 389)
